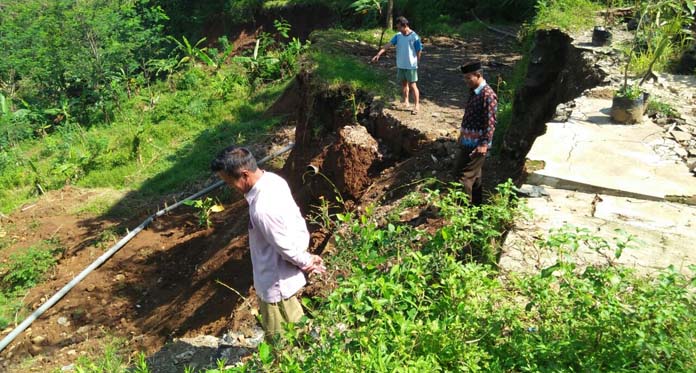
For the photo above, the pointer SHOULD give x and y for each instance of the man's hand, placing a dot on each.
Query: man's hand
(479, 150)
(376, 57)
(315, 266)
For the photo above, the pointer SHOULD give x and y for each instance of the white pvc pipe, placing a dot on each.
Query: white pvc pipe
(104, 257)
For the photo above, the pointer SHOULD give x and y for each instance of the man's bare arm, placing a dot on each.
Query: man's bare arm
(381, 52)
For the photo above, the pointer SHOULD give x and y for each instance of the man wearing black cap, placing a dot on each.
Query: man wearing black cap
(476, 133)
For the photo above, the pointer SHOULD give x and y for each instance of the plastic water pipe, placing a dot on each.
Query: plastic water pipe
(108, 254)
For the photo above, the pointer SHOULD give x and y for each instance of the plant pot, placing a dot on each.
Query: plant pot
(601, 36)
(629, 111)
(687, 63)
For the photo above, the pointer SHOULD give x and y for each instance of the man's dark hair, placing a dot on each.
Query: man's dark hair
(402, 21)
(232, 160)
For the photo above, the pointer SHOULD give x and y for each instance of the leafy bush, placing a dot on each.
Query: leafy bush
(631, 92)
(663, 34)
(658, 107)
(273, 57)
(68, 74)
(25, 269)
(410, 304)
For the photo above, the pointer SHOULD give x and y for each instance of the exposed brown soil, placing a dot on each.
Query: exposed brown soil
(163, 283)
(160, 285)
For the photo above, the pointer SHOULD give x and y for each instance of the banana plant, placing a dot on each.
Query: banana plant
(193, 52)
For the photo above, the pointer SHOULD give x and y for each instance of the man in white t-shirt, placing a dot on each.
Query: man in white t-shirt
(408, 53)
(278, 238)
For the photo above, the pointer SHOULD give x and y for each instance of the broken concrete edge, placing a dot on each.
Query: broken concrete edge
(558, 183)
(685, 200)
(558, 71)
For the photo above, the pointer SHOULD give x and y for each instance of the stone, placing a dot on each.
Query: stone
(68, 368)
(184, 357)
(681, 152)
(691, 163)
(662, 121)
(35, 349)
(681, 136)
(38, 340)
(83, 329)
(90, 287)
(71, 353)
(63, 321)
(120, 277)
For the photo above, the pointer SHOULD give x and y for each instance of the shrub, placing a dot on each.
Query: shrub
(26, 269)
(409, 303)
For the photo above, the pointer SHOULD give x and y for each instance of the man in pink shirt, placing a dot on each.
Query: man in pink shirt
(278, 237)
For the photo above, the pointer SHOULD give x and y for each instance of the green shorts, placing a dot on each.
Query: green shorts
(408, 75)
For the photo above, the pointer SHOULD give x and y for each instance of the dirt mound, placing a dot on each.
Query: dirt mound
(350, 161)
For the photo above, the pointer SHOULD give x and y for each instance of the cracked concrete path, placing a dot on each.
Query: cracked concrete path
(603, 177)
(589, 153)
(664, 232)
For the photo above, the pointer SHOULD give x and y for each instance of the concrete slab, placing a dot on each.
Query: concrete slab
(665, 232)
(589, 153)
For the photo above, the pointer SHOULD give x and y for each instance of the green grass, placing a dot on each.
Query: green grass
(22, 271)
(568, 15)
(444, 26)
(156, 149)
(110, 357)
(336, 67)
(662, 108)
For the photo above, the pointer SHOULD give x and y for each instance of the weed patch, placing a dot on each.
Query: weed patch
(22, 271)
(413, 302)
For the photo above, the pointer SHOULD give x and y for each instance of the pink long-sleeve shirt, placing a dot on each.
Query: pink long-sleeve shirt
(278, 239)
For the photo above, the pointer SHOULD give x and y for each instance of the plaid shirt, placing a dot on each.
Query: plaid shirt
(479, 119)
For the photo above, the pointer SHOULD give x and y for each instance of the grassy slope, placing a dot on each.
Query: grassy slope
(195, 114)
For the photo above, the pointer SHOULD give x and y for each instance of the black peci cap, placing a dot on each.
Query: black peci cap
(470, 67)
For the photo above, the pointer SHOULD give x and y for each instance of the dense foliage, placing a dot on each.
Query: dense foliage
(170, 115)
(65, 60)
(414, 302)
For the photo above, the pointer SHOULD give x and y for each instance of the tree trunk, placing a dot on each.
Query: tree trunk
(390, 15)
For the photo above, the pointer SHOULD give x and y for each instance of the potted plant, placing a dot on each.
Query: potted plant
(601, 35)
(628, 104)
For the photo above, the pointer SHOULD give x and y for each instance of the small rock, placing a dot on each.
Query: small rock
(662, 121)
(691, 163)
(681, 136)
(120, 277)
(90, 287)
(83, 329)
(38, 340)
(35, 349)
(68, 368)
(435, 115)
(71, 352)
(63, 321)
(183, 357)
(681, 152)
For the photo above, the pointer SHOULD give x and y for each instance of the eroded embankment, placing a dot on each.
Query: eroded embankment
(557, 72)
(163, 284)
